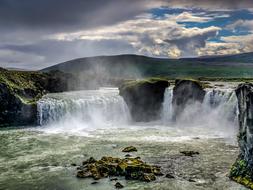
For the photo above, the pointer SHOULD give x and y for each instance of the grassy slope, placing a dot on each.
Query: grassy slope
(128, 66)
(20, 82)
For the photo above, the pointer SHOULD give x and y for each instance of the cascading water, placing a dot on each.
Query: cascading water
(219, 108)
(96, 107)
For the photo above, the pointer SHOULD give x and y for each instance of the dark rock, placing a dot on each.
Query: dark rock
(114, 179)
(192, 180)
(169, 176)
(89, 161)
(118, 185)
(242, 169)
(186, 92)
(130, 149)
(128, 155)
(94, 183)
(144, 98)
(189, 153)
(20, 91)
(73, 164)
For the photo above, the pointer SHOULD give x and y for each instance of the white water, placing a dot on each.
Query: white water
(83, 109)
(86, 111)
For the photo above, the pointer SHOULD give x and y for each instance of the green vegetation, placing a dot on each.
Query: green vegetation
(133, 66)
(240, 172)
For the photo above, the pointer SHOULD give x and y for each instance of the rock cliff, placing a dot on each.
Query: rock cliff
(144, 98)
(19, 92)
(242, 170)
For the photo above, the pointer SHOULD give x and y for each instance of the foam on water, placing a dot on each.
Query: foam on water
(83, 112)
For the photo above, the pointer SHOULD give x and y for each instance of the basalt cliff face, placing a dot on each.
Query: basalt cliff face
(144, 98)
(19, 92)
(242, 170)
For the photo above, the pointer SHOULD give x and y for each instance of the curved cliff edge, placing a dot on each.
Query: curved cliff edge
(144, 98)
(20, 91)
(242, 170)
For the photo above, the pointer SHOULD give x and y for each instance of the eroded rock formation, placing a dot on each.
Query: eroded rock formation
(242, 170)
(144, 98)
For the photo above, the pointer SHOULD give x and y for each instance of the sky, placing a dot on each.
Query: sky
(35, 34)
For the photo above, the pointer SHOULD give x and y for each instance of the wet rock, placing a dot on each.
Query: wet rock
(131, 168)
(242, 169)
(189, 153)
(130, 149)
(186, 92)
(148, 177)
(191, 180)
(144, 98)
(128, 155)
(170, 176)
(20, 91)
(89, 161)
(94, 183)
(73, 164)
(118, 185)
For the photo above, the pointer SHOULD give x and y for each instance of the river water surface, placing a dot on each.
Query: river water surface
(77, 125)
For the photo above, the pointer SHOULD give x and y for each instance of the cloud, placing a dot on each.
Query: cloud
(241, 25)
(150, 36)
(189, 17)
(210, 4)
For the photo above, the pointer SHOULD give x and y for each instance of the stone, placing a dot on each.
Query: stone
(130, 149)
(170, 176)
(148, 177)
(189, 153)
(118, 185)
(131, 168)
(242, 169)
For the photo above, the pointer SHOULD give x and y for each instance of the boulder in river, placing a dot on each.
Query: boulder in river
(131, 168)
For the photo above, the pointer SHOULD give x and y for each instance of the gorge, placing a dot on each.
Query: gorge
(154, 114)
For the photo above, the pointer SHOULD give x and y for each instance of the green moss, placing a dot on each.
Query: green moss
(131, 168)
(241, 173)
(20, 82)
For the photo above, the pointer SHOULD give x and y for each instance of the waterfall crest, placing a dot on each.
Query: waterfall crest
(97, 107)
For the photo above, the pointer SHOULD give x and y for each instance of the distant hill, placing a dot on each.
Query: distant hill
(135, 66)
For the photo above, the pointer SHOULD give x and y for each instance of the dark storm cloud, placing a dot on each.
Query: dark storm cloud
(66, 14)
(54, 52)
(70, 14)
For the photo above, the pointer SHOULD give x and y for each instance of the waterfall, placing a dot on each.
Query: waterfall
(218, 107)
(97, 107)
(167, 111)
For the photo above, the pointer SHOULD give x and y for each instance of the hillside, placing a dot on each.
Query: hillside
(134, 66)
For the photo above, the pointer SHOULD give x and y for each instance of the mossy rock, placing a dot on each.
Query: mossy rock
(131, 168)
(20, 91)
(144, 98)
(242, 173)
